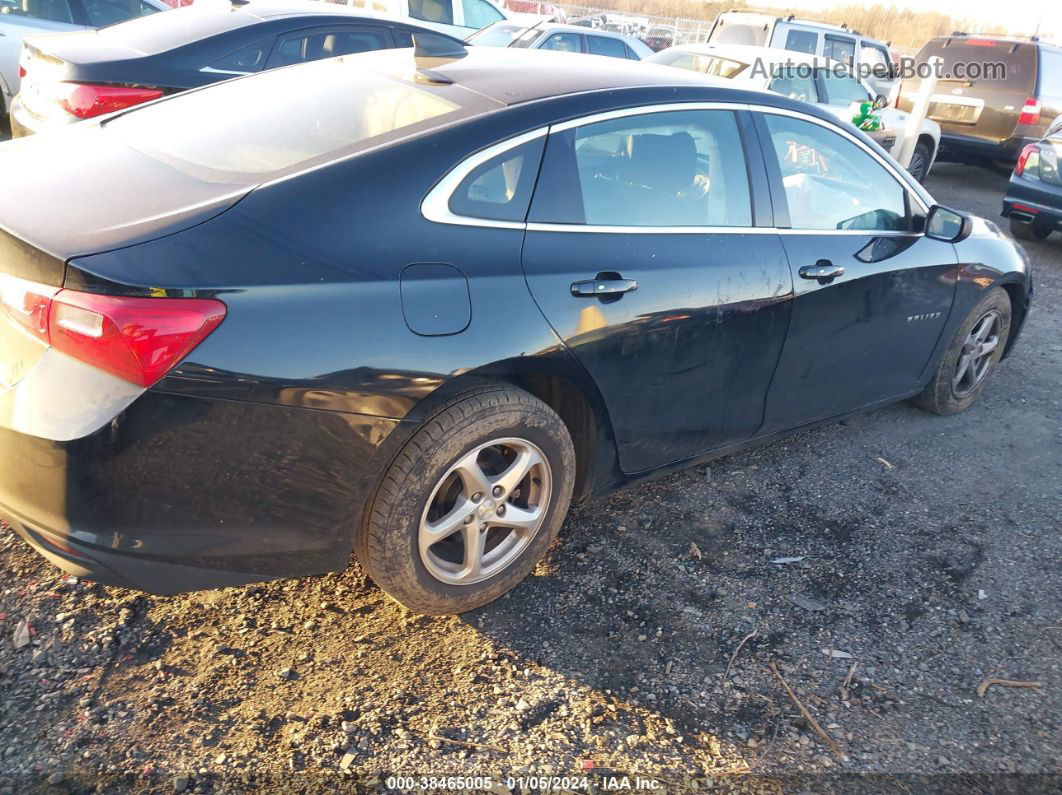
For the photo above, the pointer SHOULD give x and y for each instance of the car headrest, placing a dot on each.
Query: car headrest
(665, 162)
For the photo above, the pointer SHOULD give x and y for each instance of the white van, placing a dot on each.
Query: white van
(458, 18)
(836, 42)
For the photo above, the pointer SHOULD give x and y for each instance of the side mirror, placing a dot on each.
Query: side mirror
(947, 225)
(881, 101)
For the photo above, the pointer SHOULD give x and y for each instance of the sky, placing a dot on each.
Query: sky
(1020, 16)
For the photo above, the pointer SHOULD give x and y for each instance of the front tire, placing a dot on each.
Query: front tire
(974, 352)
(471, 503)
(1024, 231)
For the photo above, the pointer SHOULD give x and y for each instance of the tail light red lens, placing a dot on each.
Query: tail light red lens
(1030, 114)
(136, 339)
(85, 101)
(1029, 158)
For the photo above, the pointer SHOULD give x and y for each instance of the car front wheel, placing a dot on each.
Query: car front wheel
(974, 352)
(471, 503)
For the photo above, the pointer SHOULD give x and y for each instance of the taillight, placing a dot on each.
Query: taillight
(85, 101)
(21, 71)
(136, 339)
(1030, 114)
(1029, 158)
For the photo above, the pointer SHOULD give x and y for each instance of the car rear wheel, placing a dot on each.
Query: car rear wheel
(974, 352)
(471, 503)
(1025, 231)
(920, 161)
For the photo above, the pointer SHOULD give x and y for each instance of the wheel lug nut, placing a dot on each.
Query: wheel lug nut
(477, 497)
(501, 510)
(498, 491)
(468, 519)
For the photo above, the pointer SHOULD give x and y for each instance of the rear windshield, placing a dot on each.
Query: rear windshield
(500, 34)
(713, 65)
(1017, 61)
(162, 32)
(292, 118)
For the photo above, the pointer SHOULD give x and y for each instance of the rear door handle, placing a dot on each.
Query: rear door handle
(822, 271)
(593, 287)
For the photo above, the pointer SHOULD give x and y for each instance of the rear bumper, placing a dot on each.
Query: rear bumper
(23, 123)
(1034, 201)
(955, 146)
(180, 494)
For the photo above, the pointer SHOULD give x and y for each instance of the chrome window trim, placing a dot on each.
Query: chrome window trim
(210, 70)
(644, 110)
(436, 205)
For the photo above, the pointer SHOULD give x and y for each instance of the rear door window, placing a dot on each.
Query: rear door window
(840, 49)
(876, 59)
(313, 45)
(802, 41)
(563, 42)
(795, 84)
(676, 168)
(842, 89)
(602, 45)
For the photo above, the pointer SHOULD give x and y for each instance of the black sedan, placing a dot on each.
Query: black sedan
(1034, 196)
(418, 306)
(74, 76)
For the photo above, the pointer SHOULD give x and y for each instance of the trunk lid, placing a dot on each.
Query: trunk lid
(77, 192)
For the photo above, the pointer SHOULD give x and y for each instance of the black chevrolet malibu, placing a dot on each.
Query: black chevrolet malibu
(414, 309)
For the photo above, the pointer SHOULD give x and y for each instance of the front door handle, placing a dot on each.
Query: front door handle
(595, 287)
(822, 271)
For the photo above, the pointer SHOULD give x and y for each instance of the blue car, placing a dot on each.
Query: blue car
(1034, 197)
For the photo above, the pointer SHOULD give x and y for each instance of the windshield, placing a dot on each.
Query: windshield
(291, 118)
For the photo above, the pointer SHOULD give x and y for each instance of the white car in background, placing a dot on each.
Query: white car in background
(456, 18)
(820, 81)
(21, 18)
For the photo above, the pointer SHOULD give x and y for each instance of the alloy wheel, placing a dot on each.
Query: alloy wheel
(975, 358)
(484, 511)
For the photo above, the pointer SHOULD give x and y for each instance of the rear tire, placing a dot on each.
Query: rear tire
(920, 161)
(1024, 231)
(974, 352)
(491, 457)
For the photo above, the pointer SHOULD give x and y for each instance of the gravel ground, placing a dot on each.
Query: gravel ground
(883, 568)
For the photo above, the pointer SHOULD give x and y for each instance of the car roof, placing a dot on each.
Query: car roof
(1004, 39)
(514, 75)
